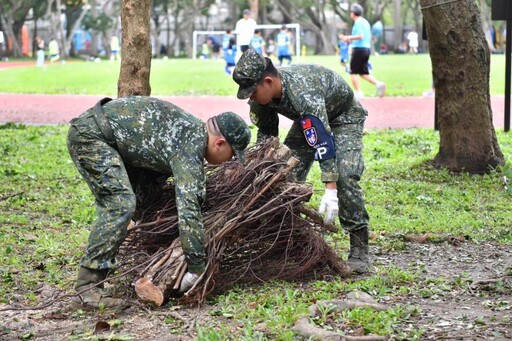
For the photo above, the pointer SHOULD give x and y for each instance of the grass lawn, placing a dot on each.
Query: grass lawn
(46, 208)
(405, 75)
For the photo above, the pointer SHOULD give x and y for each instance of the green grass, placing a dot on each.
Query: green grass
(45, 209)
(405, 75)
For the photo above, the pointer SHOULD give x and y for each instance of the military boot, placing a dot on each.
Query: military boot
(358, 259)
(93, 295)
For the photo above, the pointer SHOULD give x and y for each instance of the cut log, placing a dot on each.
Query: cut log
(163, 277)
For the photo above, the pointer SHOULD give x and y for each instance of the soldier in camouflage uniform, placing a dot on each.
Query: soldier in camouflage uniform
(117, 137)
(327, 126)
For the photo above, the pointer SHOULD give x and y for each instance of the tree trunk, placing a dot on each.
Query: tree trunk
(461, 64)
(255, 9)
(397, 18)
(136, 49)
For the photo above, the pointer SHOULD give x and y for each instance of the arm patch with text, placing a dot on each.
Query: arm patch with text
(317, 137)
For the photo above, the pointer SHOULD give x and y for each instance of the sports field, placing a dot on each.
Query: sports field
(405, 75)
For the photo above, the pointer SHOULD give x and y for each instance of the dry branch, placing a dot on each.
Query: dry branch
(257, 229)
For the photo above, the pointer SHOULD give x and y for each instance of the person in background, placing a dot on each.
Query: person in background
(343, 52)
(40, 52)
(271, 48)
(258, 43)
(226, 39)
(377, 31)
(214, 45)
(114, 47)
(53, 51)
(205, 51)
(244, 30)
(412, 38)
(361, 49)
(328, 125)
(283, 43)
(125, 147)
(230, 56)
(2, 42)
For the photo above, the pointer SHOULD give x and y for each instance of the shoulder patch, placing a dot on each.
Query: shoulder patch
(317, 137)
(254, 118)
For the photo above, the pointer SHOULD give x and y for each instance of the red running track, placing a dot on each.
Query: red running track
(387, 112)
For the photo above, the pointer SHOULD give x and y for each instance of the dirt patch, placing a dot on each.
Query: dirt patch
(462, 293)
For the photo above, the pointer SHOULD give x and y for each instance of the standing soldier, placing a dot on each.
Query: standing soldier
(123, 145)
(328, 125)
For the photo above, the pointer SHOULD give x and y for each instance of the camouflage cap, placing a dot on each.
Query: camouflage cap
(235, 131)
(248, 72)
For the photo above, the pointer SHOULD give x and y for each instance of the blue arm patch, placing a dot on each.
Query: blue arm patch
(317, 137)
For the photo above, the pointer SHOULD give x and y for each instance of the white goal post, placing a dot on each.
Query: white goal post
(260, 27)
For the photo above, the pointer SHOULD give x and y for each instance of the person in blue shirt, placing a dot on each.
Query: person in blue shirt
(258, 43)
(283, 42)
(214, 45)
(361, 39)
(226, 38)
(230, 55)
(343, 51)
(377, 31)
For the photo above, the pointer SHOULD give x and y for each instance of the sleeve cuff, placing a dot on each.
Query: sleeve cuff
(330, 177)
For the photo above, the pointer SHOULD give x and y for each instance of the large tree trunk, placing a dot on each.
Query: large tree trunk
(461, 63)
(136, 49)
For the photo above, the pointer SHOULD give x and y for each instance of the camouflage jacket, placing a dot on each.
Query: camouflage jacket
(157, 135)
(309, 89)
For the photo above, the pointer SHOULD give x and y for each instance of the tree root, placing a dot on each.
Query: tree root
(434, 238)
(307, 329)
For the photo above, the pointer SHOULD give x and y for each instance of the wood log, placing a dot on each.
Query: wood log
(170, 269)
(317, 218)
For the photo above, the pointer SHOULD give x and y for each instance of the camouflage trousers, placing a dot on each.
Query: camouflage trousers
(348, 140)
(103, 169)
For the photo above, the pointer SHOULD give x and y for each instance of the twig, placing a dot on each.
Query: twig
(8, 196)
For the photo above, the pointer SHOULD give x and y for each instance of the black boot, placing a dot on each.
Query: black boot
(93, 295)
(358, 259)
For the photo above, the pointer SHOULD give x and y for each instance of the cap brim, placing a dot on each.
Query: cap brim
(240, 155)
(246, 92)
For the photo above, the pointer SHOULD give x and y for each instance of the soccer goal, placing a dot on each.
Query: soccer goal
(200, 36)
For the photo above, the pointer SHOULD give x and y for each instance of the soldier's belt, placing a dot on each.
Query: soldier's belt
(102, 122)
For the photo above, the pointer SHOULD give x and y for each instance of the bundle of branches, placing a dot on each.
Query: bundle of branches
(257, 229)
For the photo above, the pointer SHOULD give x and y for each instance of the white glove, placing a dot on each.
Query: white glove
(329, 205)
(189, 279)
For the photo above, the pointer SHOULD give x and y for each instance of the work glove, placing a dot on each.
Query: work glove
(329, 205)
(189, 279)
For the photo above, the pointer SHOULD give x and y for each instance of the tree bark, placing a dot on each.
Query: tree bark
(136, 49)
(461, 65)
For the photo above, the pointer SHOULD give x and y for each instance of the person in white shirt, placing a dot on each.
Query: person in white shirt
(2, 40)
(412, 37)
(244, 31)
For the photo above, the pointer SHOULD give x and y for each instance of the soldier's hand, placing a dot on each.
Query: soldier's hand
(188, 281)
(329, 205)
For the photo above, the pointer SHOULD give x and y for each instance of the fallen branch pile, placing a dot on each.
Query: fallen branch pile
(257, 229)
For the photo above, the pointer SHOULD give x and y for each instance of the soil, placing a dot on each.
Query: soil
(457, 297)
